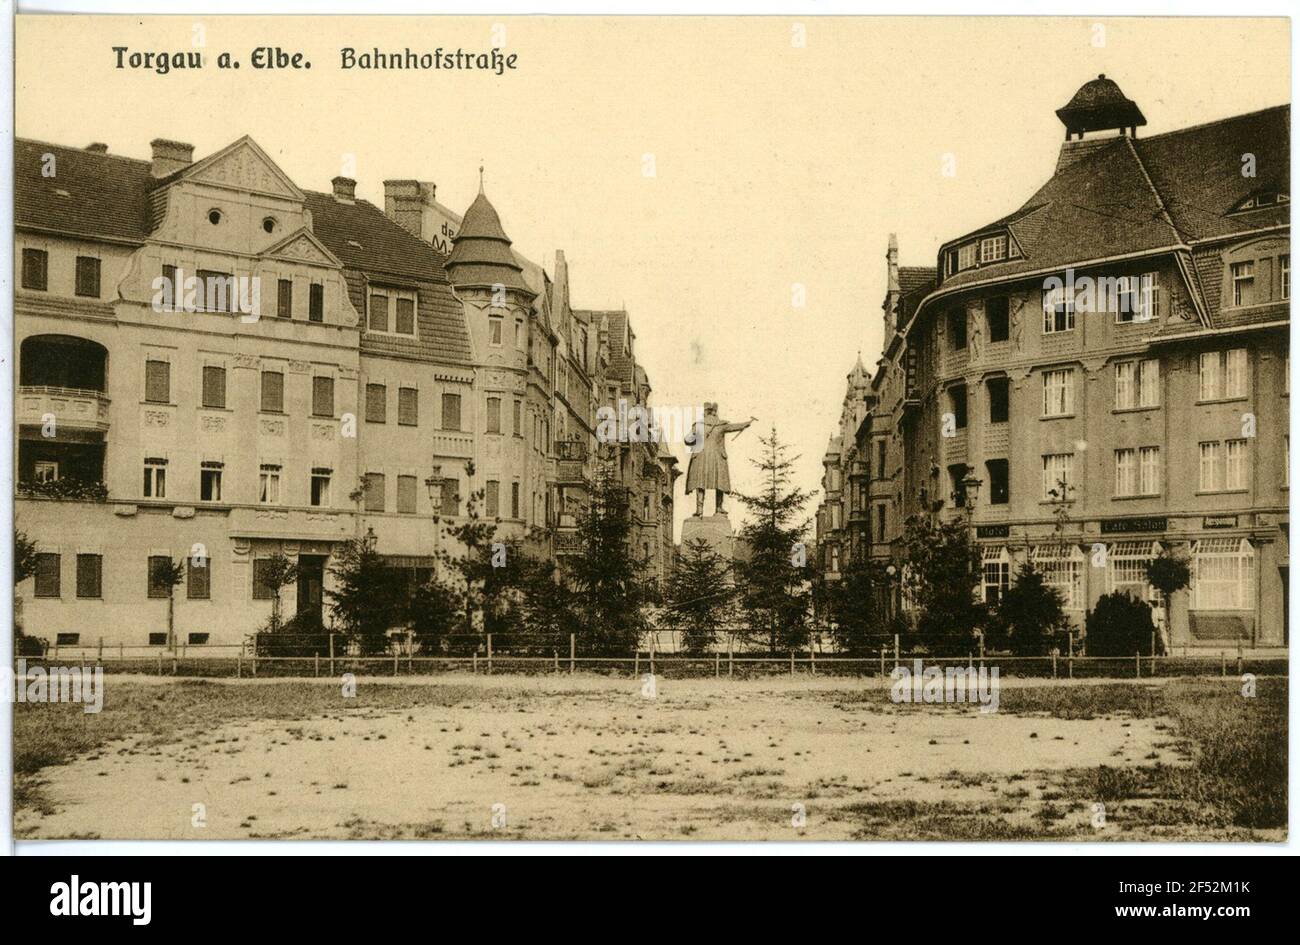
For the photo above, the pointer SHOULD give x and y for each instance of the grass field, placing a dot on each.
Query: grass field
(590, 757)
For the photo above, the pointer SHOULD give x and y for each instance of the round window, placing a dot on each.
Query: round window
(214, 217)
(269, 224)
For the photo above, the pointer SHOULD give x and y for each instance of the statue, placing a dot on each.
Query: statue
(708, 466)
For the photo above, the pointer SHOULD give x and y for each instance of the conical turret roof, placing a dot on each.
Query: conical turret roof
(481, 254)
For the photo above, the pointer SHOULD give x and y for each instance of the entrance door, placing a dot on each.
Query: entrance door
(311, 582)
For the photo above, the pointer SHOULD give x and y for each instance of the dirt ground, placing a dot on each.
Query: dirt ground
(579, 757)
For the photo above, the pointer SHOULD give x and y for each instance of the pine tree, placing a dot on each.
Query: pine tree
(858, 605)
(700, 595)
(367, 598)
(941, 573)
(607, 592)
(774, 589)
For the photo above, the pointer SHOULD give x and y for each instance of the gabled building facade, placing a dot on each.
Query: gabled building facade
(217, 366)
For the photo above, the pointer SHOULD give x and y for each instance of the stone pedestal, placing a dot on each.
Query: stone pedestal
(714, 529)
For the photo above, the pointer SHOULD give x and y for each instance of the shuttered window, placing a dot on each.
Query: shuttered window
(273, 391)
(47, 575)
(90, 572)
(322, 396)
(157, 381)
(408, 406)
(376, 403)
(214, 386)
(406, 495)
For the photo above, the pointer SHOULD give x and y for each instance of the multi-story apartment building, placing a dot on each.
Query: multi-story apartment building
(216, 365)
(1104, 373)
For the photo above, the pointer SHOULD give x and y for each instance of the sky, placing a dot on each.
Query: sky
(696, 170)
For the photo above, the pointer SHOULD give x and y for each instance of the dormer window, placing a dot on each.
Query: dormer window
(1265, 198)
(993, 249)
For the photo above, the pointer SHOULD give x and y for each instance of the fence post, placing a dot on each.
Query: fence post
(1069, 654)
(792, 663)
(474, 662)
(315, 670)
(239, 663)
(636, 665)
(395, 658)
(100, 657)
(812, 659)
(331, 652)
(489, 653)
(717, 664)
(652, 654)
(160, 662)
(572, 650)
(731, 655)
(1053, 662)
(410, 651)
(895, 651)
(1223, 663)
(981, 649)
(1239, 654)
(1137, 658)
(555, 654)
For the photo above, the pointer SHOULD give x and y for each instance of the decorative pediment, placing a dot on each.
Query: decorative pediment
(244, 166)
(303, 246)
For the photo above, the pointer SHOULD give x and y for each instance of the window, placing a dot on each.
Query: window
(214, 386)
(374, 492)
(835, 558)
(956, 473)
(881, 522)
(35, 269)
(1058, 309)
(406, 495)
(993, 249)
(169, 288)
(316, 302)
(378, 312)
(45, 470)
(494, 415)
(492, 498)
(957, 402)
(957, 328)
(451, 411)
(966, 256)
(1235, 464)
(218, 291)
(1284, 271)
(1062, 568)
(273, 391)
(322, 396)
(90, 575)
(1137, 384)
(997, 315)
(157, 381)
(268, 484)
(997, 573)
(408, 406)
(198, 578)
(67, 639)
(1243, 283)
(197, 639)
(210, 481)
(155, 478)
(1223, 574)
(1058, 392)
(261, 589)
(519, 334)
(284, 298)
(1211, 458)
(87, 277)
(160, 584)
(157, 639)
(1234, 372)
(999, 389)
(320, 486)
(1058, 476)
(1136, 300)
(405, 324)
(47, 575)
(999, 481)
(1223, 374)
(518, 419)
(376, 403)
(494, 330)
(514, 500)
(451, 497)
(1126, 569)
(881, 448)
(1137, 471)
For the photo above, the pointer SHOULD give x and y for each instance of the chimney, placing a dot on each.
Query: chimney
(97, 148)
(170, 156)
(404, 204)
(345, 189)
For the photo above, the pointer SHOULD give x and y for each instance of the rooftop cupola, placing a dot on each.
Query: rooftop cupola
(1099, 105)
(481, 254)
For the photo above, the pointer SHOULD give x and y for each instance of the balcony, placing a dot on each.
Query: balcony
(72, 408)
(570, 462)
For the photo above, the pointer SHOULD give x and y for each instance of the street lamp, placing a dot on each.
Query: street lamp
(970, 486)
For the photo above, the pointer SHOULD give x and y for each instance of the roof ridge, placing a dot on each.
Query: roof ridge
(1155, 192)
(1285, 106)
(70, 147)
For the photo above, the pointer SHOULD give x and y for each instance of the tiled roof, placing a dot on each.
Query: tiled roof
(92, 195)
(362, 237)
(910, 277)
(481, 253)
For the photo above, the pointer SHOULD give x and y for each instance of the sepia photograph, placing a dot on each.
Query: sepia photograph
(682, 430)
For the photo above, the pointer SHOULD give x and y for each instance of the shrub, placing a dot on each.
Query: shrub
(1121, 625)
(1029, 616)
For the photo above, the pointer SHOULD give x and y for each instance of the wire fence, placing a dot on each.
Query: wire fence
(330, 655)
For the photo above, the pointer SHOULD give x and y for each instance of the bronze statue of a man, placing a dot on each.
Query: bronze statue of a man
(708, 467)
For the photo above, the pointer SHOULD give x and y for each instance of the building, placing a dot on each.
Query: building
(1108, 363)
(218, 366)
